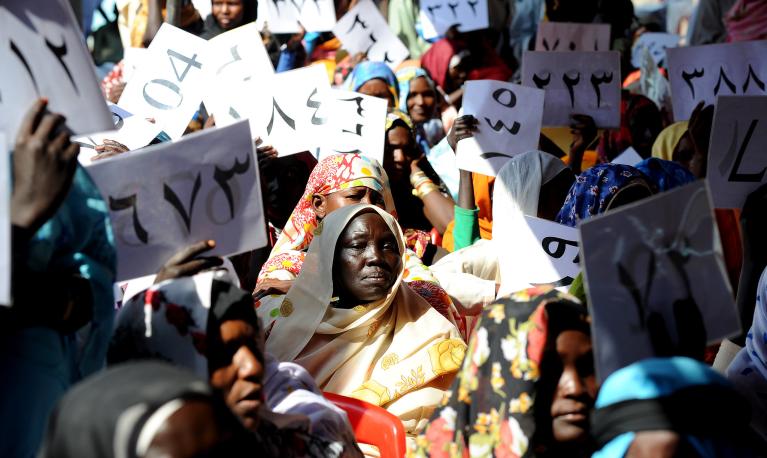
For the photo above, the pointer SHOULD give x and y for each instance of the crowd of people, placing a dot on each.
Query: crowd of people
(380, 281)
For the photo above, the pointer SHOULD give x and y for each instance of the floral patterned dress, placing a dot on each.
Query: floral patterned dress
(490, 408)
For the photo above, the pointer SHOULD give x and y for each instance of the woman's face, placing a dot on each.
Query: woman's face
(324, 205)
(237, 369)
(553, 194)
(228, 13)
(367, 261)
(377, 88)
(421, 100)
(399, 152)
(576, 390)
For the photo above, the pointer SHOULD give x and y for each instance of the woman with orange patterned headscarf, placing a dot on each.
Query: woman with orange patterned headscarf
(337, 181)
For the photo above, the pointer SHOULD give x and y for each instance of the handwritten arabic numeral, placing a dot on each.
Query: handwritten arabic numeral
(498, 94)
(172, 198)
(572, 46)
(60, 52)
(157, 104)
(359, 21)
(15, 49)
(513, 130)
(316, 105)
(360, 110)
(317, 5)
(723, 76)
(124, 203)
(452, 7)
(432, 9)
(277, 5)
(189, 63)
(386, 59)
(233, 113)
(373, 41)
(561, 247)
(288, 120)
(735, 175)
(540, 82)
(235, 58)
(223, 176)
(751, 75)
(596, 45)
(473, 6)
(688, 77)
(571, 83)
(298, 7)
(606, 78)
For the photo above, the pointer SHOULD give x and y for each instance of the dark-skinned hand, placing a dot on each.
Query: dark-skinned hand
(463, 127)
(109, 148)
(267, 159)
(271, 286)
(44, 164)
(188, 262)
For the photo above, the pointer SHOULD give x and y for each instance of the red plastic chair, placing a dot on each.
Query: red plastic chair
(373, 425)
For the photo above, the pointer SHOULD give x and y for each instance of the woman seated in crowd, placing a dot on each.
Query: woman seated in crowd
(359, 330)
(419, 195)
(338, 181)
(375, 79)
(526, 387)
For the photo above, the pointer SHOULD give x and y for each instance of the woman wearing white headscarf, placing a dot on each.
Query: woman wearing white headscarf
(359, 330)
(533, 183)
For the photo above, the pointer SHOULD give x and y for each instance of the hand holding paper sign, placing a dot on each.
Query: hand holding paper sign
(186, 262)
(509, 117)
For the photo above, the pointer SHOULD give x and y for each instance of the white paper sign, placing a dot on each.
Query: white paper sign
(285, 116)
(550, 253)
(436, 16)
(42, 54)
(231, 60)
(628, 157)
(700, 73)
(737, 154)
(204, 186)
(656, 43)
(132, 131)
(5, 224)
(509, 118)
(572, 36)
(351, 122)
(364, 30)
(656, 279)
(576, 83)
(169, 85)
(287, 16)
(133, 59)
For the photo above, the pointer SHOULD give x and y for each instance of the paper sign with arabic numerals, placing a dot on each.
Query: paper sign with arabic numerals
(231, 60)
(509, 118)
(701, 73)
(737, 163)
(572, 36)
(436, 16)
(364, 30)
(42, 54)
(657, 284)
(287, 16)
(169, 85)
(5, 224)
(349, 122)
(550, 253)
(162, 198)
(286, 115)
(586, 83)
(656, 43)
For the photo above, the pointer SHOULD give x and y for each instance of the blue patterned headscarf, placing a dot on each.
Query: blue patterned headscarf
(664, 380)
(366, 71)
(595, 188)
(666, 175)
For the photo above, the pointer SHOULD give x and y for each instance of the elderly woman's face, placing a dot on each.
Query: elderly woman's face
(367, 260)
(576, 389)
(324, 205)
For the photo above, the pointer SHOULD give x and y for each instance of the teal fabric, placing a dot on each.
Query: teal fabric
(466, 227)
(655, 378)
(39, 364)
